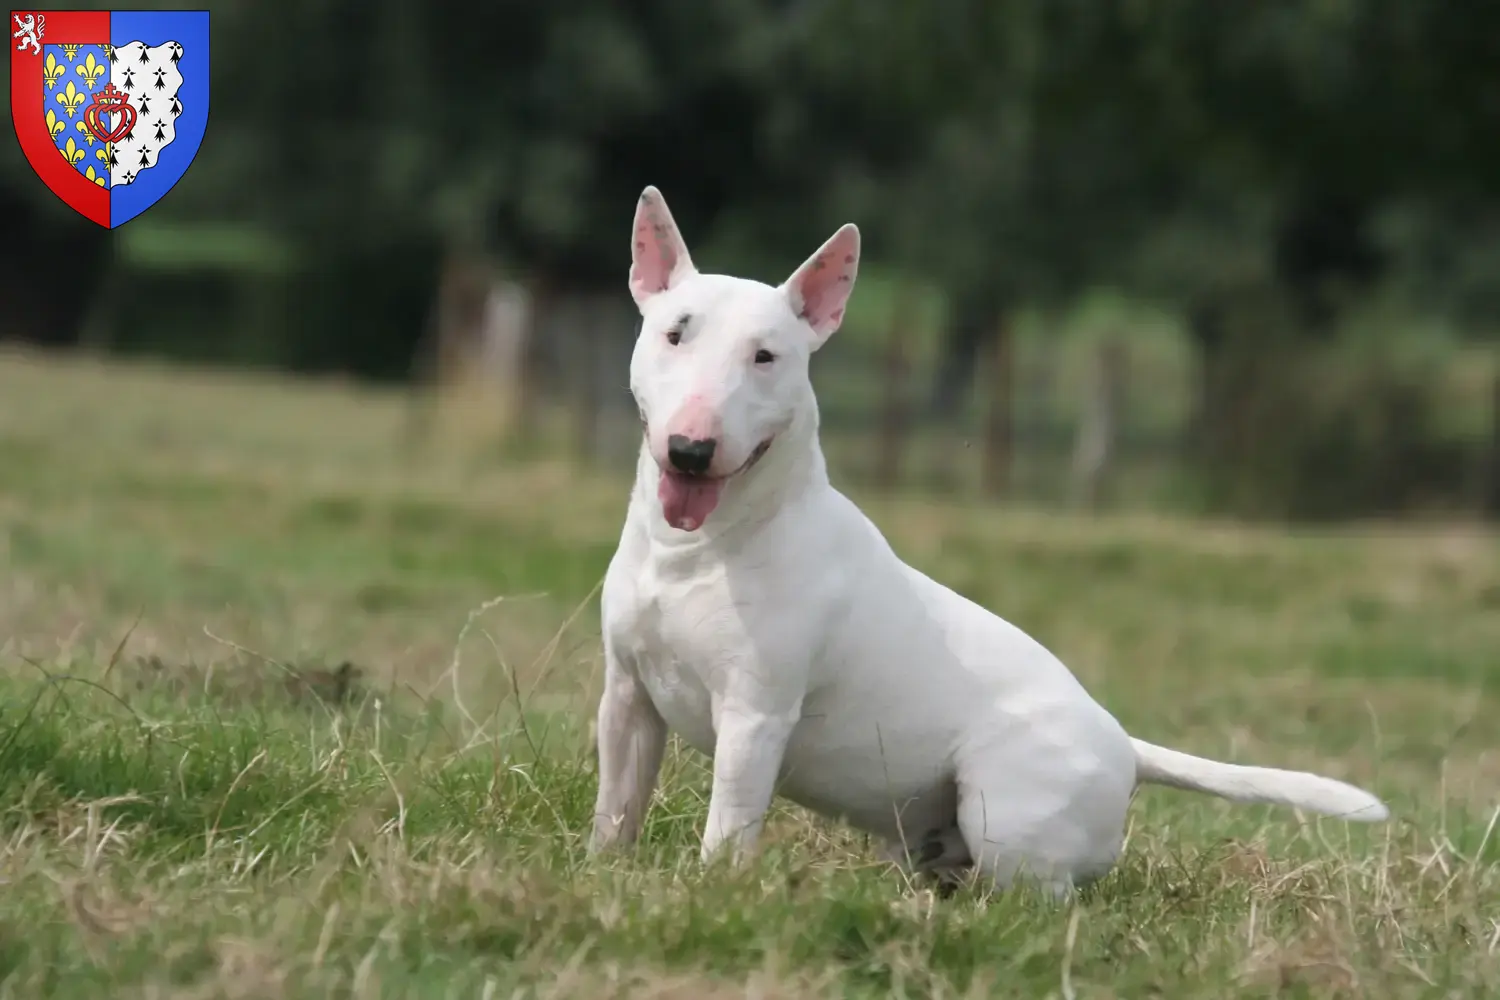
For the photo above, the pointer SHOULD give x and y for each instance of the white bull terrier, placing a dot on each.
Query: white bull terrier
(755, 610)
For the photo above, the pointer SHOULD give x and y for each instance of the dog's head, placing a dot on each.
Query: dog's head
(720, 369)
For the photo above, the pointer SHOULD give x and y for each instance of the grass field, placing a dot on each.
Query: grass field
(269, 730)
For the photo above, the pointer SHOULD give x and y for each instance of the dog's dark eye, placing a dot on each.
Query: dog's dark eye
(674, 336)
(764, 357)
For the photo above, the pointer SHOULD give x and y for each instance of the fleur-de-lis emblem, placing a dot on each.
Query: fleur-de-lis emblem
(83, 129)
(51, 70)
(96, 178)
(106, 155)
(72, 152)
(71, 51)
(91, 70)
(55, 124)
(70, 99)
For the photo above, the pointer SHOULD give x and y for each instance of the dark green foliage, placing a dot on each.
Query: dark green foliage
(1013, 153)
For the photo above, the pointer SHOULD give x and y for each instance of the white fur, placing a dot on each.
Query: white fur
(787, 640)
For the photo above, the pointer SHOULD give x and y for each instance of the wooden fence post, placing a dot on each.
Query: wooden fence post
(531, 392)
(1492, 498)
(894, 413)
(999, 426)
(1099, 423)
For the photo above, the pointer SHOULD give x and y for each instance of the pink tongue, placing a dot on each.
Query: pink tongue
(687, 502)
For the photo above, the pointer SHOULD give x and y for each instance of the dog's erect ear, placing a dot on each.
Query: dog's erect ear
(658, 257)
(819, 289)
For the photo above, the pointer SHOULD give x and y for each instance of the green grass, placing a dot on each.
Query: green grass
(197, 799)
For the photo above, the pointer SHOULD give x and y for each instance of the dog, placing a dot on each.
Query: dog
(753, 609)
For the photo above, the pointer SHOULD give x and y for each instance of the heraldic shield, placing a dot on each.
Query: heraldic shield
(109, 106)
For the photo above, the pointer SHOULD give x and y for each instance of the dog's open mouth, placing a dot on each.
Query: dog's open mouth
(686, 500)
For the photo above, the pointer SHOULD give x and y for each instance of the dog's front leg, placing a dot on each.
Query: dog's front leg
(748, 751)
(632, 737)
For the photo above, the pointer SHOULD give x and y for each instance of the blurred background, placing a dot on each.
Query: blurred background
(1237, 259)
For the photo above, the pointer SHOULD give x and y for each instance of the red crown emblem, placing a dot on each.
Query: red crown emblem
(109, 101)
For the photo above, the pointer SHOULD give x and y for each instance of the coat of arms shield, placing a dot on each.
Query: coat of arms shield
(110, 107)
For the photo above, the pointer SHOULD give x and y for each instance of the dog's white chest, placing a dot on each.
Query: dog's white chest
(682, 698)
(682, 641)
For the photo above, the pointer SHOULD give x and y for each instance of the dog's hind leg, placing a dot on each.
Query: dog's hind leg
(632, 737)
(1054, 828)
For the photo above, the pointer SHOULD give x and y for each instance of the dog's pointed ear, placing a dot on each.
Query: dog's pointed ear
(819, 289)
(658, 256)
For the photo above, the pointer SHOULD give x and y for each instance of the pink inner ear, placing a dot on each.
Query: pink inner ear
(824, 282)
(657, 250)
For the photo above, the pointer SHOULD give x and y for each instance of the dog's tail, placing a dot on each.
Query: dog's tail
(1159, 766)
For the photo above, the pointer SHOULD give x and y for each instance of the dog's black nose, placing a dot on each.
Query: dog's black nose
(692, 457)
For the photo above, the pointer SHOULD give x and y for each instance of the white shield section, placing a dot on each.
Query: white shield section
(150, 79)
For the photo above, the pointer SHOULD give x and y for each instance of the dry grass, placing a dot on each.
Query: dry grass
(198, 798)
